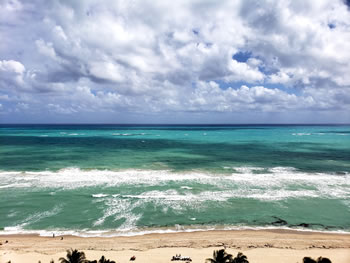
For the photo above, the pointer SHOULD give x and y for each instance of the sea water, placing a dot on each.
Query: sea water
(132, 179)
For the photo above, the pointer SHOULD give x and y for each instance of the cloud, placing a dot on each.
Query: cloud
(11, 73)
(69, 57)
(256, 98)
(12, 66)
(106, 70)
(45, 48)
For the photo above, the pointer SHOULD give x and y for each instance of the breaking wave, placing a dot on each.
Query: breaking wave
(126, 202)
(247, 182)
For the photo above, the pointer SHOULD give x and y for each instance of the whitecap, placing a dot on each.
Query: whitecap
(120, 208)
(273, 183)
(36, 217)
(99, 195)
(301, 134)
(247, 169)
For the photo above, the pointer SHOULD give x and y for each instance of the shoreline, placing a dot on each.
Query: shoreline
(261, 245)
(162, 230)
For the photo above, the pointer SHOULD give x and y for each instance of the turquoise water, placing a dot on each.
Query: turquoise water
(110, 179)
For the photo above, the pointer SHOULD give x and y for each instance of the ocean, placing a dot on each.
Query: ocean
(105, 180)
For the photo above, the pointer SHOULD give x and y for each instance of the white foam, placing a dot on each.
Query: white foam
(128, 134)
(301, 134)
(139, 232)
(12, 214)
(16, 185)
(280, 170)
(247, 169)
(318, 133)
(36, 217)
(120, 209)
(75, 178)
(99, 195)
(269, 184)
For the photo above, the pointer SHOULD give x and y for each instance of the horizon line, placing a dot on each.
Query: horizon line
(198, 124)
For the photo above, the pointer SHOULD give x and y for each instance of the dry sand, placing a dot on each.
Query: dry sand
(260, 246)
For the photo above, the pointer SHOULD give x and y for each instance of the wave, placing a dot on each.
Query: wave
(129, 134)
(99, 195)
(275, 183)
(36, 217)
(301, 134)
(320, 133)
(123, 197)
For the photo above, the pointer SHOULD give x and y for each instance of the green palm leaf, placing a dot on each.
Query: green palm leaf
(74, 256)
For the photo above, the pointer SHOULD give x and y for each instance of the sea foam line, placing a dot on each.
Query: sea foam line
(140, 232)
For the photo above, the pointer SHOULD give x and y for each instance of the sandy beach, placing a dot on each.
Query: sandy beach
(260, 246)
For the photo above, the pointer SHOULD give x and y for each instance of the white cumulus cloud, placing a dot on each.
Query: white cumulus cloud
(71, 57)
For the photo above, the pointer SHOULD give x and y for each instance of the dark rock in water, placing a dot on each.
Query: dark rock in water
(333, 227)
(308, 225)
(279, 221)
(341, 173)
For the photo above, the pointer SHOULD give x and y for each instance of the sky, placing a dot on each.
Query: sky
(153, 61)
